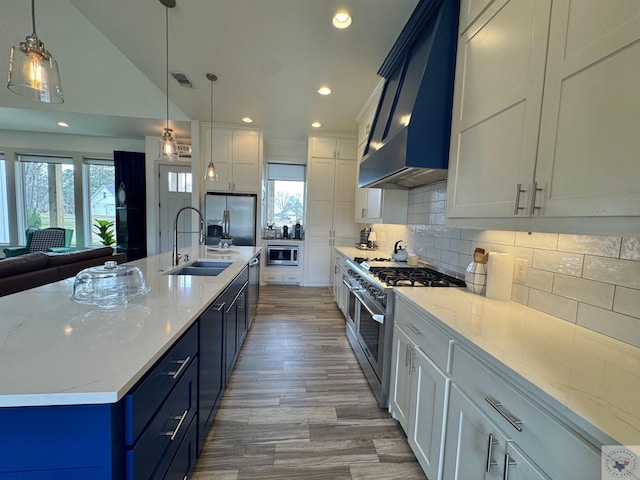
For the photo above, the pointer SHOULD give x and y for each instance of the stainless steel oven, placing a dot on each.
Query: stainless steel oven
(283, 255)
(369, 317)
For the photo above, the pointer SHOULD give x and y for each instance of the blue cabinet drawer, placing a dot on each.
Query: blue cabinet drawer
(162, 437)
(184, 461)
(145, 399)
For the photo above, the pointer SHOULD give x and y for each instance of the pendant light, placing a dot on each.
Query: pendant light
(211, 173)
(168, 145)
(33, 72)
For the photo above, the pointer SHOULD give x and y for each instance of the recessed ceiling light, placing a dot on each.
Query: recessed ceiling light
(247, 119)
(341, 19)
(63, 124)
(324, 90)
(316, 124)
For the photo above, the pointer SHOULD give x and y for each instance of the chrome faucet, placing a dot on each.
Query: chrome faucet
(176, 255)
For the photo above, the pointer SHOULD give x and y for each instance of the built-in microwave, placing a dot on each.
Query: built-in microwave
(284, 255)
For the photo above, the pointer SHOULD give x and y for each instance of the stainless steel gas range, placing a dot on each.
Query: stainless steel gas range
(370, 312)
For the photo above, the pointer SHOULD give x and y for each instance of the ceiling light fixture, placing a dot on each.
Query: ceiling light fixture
(324, 90)
(247, 120)
(63, 124)
(211, 173)
(341, 19)
(33, 72)
(168, 145)
(316, 124)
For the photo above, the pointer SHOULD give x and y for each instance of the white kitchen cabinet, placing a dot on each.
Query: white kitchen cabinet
(419, 387)
(236, 156)
(546, 115)
(376, 205)
(483, 403)
(478, 449)
(330, 200)
(340, 291)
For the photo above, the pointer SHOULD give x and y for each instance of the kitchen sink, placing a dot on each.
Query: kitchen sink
(206, 268)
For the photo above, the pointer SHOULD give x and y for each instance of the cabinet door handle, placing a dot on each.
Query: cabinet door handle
(508, 462)
(181, 420)
(407, 356)
(519, 190)
(217, 307)
(534, 191)
(513, 420)
(414, 329)
(492, 441)
(182, 363)
(363, 213)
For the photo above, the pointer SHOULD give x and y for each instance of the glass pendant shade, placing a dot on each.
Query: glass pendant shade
(168, 147)
(33, 72)
(211, 173)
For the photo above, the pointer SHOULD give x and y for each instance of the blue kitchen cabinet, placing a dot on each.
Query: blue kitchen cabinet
(211, 376)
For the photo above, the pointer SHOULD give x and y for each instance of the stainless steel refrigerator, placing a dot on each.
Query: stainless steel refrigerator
(242, 217)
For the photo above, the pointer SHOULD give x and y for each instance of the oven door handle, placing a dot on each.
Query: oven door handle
(376, 316)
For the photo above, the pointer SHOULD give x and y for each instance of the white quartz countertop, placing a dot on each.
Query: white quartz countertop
(592, 379)
(54, 351)
(588, 377)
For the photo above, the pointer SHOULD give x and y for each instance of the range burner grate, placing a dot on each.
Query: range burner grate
(414, 277)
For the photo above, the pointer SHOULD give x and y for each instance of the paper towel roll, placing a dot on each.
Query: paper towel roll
(499, 275)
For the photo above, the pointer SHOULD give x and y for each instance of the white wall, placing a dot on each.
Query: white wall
(590, 280)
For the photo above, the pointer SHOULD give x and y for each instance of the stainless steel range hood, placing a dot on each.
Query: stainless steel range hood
(409, 141)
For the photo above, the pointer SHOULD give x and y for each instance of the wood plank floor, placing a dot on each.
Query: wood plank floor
(298, 405)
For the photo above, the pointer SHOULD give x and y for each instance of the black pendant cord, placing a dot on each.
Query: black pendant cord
(166, 23)
(211, 120)
(33, 17)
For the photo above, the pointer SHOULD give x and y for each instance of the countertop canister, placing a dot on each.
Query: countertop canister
(499, 276)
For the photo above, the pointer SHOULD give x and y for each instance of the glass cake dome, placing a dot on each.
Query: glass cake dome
(109, 285)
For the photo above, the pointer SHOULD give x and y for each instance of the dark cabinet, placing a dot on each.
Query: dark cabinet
(211, 377)
(235, 319)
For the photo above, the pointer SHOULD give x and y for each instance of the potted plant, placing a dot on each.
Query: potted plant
(105, 232)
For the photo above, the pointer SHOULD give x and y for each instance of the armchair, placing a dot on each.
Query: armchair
(48, 239)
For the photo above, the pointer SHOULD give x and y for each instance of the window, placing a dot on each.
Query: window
(48, 192)
(102, 195)
(179, 182)
(285, 194)
(4, 208)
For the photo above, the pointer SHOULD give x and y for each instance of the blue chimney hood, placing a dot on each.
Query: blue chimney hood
(408, 144)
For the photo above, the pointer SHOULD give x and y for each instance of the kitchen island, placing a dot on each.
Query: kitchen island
(67, 369)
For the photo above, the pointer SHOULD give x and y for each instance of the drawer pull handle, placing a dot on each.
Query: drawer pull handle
(514, 421)
(182, 363)
(414, 329)
(508, 462)
(217, 307)
(519, 190)
(181, 420)
(490, 444)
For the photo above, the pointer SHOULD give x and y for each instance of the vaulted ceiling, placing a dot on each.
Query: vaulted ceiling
(270, 57)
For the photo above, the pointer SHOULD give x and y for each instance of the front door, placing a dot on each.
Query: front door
(174, 190)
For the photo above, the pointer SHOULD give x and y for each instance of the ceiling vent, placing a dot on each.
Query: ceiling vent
(182, 79)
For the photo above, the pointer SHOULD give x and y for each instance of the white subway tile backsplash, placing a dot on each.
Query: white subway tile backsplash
(611, 270)
(560, 307)
(590, 244)
(473, 235)
(461, 246)
(586, 291)
(558, 262)
(545, 241)
(591, 279)
(501, 237)
(627, 301)
(520, 294)
(612, 324)
(630, 248)
(540, 280)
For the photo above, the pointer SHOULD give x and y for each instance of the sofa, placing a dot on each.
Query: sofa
(35, 269)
